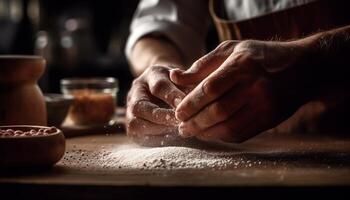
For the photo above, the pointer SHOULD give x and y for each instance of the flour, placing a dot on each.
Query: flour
(134, 157)
(128, 157)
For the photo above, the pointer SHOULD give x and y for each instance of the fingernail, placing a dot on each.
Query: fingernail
(183, 132)
(176, 70)
(177, 101)
(173, 74)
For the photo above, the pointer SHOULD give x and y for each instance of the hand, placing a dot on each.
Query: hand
(150, 104)
(242, 89)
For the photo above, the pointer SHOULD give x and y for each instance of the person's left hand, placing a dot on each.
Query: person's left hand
(242, 89)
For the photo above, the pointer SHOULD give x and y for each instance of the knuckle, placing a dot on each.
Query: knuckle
(136, 81)
(200, 62)
(209, 88)
(243, 57)
(225, 44)
(246, 44)
(183, 111)
(206, 59)
(135, 107)
(158, 69)
(159, 86)
(150, 69)
(219, 111)
(152, 72)
(203, 121)
(194, 127)
(132, 126)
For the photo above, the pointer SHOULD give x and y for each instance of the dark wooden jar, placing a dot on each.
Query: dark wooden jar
(21, 100)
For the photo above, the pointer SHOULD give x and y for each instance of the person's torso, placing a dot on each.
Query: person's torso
(279, 19)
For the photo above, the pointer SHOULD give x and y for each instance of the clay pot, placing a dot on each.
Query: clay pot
(21, 100)
(31, 151)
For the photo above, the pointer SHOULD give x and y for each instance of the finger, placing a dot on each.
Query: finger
(138, 91)
(203, 66)
(153, 113)
(140, 105)
(165, 90)
(211, 88)
(236, 69)
(230, 130)
(215, 112)
(140, 127)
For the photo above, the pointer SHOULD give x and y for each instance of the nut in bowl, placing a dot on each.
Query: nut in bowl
(29, 146)
(94, 99)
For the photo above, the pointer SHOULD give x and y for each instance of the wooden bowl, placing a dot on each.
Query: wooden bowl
(31, 151)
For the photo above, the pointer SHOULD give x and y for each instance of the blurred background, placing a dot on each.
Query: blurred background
(78, 38)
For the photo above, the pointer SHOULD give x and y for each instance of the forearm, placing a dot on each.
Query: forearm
(329, 56)
(150, 51)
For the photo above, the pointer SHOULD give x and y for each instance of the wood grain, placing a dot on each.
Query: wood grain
(290, 160)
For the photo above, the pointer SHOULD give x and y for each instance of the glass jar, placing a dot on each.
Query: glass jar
(95, 99)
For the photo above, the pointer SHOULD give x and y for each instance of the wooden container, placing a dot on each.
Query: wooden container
(21, 101)
(31, 151)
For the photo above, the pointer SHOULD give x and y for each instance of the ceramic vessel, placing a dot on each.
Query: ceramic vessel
(21, 100)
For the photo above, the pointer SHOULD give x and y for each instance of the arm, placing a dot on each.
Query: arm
(328, 57)
(168, 32)
(164, 34)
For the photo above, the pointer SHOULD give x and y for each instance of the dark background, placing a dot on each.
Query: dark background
(78, 38)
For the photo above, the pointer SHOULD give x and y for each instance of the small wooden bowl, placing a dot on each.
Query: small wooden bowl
(31, 151)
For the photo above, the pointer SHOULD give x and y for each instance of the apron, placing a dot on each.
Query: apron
(329, 113)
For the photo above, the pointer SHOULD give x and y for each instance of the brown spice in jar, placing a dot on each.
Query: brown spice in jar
(90, 107)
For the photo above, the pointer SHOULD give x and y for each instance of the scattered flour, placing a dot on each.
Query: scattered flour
(170, 158)
(134, 157)
(167, 117)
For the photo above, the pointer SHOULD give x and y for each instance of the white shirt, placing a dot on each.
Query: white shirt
(185, 22)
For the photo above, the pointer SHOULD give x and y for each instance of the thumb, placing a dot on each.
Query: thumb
(204, 66)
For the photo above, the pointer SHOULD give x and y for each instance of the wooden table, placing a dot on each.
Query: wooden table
(316, 164)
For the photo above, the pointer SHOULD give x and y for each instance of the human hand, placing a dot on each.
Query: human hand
(150, 104)
(242, 89)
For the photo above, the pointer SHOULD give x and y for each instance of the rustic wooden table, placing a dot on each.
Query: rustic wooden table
(289, 163)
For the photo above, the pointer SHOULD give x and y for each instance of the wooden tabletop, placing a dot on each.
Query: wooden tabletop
(288, 161)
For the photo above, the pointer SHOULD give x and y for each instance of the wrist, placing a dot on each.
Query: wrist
(299, 75)
(315, 62)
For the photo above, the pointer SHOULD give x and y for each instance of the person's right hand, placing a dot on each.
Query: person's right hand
(150, 104)
(245, 88)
